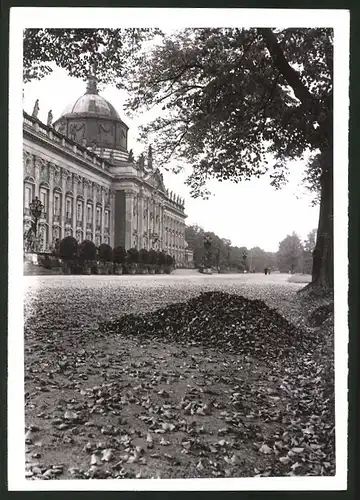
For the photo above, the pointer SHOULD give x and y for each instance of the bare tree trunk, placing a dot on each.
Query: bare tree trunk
(323, 260)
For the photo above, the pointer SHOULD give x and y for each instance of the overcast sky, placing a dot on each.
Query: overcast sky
(251, 213)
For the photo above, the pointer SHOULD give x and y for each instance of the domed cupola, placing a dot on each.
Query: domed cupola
(93, 122)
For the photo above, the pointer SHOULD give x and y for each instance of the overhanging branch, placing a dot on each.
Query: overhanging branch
(280, 62)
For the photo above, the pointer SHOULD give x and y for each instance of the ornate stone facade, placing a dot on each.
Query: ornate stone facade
(107, 197)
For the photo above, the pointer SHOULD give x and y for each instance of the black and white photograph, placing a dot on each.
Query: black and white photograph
(178, 232)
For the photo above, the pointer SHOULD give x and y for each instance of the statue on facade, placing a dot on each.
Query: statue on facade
(150, 158)
(50, 119)
(91, 87)
(32, 238)
(131, 156)
(141, 162)
(36, 109)
(111, 156)
(72, 131)
(93, 146)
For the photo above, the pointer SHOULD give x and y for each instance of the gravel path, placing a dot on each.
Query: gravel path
(108, 406)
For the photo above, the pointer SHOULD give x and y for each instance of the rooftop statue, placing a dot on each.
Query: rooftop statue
(50, 119)
(141, 162)
(150, 158)
(131, 156)
(91, 87)
(36, 109)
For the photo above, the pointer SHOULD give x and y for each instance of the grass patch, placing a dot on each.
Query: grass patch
(300, 278)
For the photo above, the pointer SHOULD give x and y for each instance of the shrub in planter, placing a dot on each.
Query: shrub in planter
(67, 251)
(153, 260)
(169, 263)
(68, 248)
(87, 255)
(119, 256)
(132, 259)
(161, 258)
(118, 269)
(143, 261)
(91, 267)
(132, 256)
(143, 256)
(105, 253)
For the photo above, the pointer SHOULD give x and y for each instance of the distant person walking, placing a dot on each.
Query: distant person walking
(266, 271)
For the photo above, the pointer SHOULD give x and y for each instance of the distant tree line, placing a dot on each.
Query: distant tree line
(296, 256)
(226, 255)
(293, 255)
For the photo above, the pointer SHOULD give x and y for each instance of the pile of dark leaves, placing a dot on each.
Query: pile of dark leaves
(215, 319)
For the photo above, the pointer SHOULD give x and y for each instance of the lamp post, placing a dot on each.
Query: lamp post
(244, 257)
(207, 245)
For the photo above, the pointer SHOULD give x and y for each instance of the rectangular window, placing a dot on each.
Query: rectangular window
(68, 208)
(98, 216)
(106, 218)
(89, 212)
(28, 196)
(79, 210)
(43, 199)
(57, 204)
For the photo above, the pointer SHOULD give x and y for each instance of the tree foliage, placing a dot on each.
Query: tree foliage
(308, 248)
(231, 96)
(290, 254)
(224, 254)
(234, 98)
(258, 259)
(79, 51)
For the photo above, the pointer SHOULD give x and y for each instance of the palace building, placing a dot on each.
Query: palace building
(92, 187)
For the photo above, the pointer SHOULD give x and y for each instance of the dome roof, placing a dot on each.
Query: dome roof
(92, 121)
(91, 103)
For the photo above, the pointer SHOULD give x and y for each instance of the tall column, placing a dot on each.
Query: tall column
(51, 203)
(64, 174)
(102, 231)
(93, 191)
(112, 218)
(129, 205)
(162, 227)
(86, 182)
(75, 187)
(37, 165)
(148, 222)
(141, 219)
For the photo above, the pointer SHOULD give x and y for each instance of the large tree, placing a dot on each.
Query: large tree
(229, 99)
(309, 246)
(290, 254)
(232, 97)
